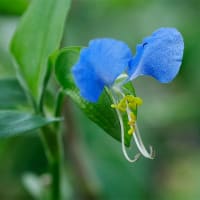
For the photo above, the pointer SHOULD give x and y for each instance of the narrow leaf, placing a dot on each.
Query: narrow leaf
(101, 112)
(37, 36)
(16, 122)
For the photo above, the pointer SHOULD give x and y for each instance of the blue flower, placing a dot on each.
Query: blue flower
(100, 63)
(159, 56)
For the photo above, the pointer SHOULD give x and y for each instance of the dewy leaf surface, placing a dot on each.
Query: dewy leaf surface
(17, 122)
(101, 112)
(39, 34)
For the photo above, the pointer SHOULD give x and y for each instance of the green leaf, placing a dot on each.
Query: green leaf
(12, 95)
(13, 7)
(37, 36)
(16, 122)
(101, 112)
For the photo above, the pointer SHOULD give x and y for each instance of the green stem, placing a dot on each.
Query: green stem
(52, 143)
(58, 107)
(53, 147)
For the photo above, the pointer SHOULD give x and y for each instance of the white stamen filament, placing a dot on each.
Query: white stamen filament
(122, 137)
(136, 134)
(138, 141)
(123, 142)
(141, 146)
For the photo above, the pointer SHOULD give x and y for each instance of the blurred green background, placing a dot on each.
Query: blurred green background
(169, 118)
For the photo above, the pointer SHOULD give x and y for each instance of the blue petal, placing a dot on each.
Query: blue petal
(99, 65)
(159, 55)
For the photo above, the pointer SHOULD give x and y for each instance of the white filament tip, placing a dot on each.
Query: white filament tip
(141, 147)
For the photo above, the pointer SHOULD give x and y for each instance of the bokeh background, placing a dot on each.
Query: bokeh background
(169, 118)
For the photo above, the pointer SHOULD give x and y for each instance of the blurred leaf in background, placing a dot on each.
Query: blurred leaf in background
(33, 42)
(17, 154)
(7, 27)
(9, 10)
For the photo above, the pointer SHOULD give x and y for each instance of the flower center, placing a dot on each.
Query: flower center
(129, 104)
(125, 103)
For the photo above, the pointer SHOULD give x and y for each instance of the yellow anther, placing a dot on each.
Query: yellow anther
(130, 98)
(123, 100)
(131, 123)
(133, 101)
(132, 105)
(138, 101)
(133, 117)
(127, 101)
(122, 104)
(122, 109)
(113, 106)
(128, 104)
(131, 130)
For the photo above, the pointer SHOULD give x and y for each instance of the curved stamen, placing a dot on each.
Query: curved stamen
(141, 146)
(138, 140)
(136, 133)
(123, 142)
(122, 136)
